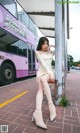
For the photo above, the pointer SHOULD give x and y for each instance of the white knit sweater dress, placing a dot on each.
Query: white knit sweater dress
(45, 66)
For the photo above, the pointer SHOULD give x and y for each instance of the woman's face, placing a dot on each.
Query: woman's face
(45, 46)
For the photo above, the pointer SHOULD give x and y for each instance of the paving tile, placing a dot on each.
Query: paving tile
(72, 118)
(72, 122)
(32, 125)
(6, 116)
(16, 111)
(12, 127)
(76, 129)
(28, 112)
(25, 117)
(55, 124)
(2, 113)
(59, 120)
(75, 114)
(39, 130)
(4, 122)
(18, 114)
(67, 112)
(19, 129)
(13, 117)
(67, 128)
(21, 122)
(73, 109)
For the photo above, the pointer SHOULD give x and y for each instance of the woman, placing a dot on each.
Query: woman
(44, 76)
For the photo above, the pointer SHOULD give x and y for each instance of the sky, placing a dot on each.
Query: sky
(74, 41)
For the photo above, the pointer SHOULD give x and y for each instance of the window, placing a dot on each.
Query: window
(11, 44)
(35, 30)
(10, 5)
(22, 16)
(13, 48)
(25, 19)
(31, 25)
(8, 43)
(22, 50)
(2, 47)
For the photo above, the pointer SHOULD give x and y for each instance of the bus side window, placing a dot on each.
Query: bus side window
(22, 50)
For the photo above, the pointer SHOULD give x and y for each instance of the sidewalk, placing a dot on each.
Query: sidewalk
(17, 114)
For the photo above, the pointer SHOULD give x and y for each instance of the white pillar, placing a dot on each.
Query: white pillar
(58, 45)
(65, 45)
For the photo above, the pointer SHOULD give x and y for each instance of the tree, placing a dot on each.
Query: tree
(76, 63)
(70, 59)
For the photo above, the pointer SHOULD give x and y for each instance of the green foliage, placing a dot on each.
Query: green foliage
(72, 62)
(53, 63)
(64, 102)
(71, 58)
(76, 63)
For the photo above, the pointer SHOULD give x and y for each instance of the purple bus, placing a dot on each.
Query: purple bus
(17, 46)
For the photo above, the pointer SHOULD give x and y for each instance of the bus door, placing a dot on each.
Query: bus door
(31, 60)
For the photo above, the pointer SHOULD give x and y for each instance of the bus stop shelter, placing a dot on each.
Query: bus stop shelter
(52, 18)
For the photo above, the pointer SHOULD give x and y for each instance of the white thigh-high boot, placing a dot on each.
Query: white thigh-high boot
(37, 115)
(47, 91)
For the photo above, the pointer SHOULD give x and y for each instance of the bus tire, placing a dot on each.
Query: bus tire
(7, 73)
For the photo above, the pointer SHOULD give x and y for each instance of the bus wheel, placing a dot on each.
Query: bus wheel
(7, 74)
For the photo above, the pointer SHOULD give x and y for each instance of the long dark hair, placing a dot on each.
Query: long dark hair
(41, 42)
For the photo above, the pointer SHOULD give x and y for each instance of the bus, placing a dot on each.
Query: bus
(18, 39)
